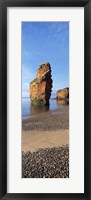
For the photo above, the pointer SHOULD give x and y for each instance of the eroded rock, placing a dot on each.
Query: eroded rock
(41, 86)
(62, 96)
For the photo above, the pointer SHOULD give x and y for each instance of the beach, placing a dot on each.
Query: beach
(45, 142)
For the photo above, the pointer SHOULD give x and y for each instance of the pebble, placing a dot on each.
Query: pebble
(46, 163)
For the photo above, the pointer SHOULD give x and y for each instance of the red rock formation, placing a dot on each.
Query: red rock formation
(41, 86)
(62, 96)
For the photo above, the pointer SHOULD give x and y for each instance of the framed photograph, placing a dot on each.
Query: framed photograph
(45, 107)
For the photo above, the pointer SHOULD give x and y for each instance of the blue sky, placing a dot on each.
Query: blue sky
(45, 42)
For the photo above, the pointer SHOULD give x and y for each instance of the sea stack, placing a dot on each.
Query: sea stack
(63, 93)
(62, 96)
(41, 86)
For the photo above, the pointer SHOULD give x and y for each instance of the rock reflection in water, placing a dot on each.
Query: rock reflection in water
(62, 101)
(38, 109)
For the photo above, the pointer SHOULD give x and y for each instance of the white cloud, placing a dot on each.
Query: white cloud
(25, 93)
(28, 53)
(27, 72)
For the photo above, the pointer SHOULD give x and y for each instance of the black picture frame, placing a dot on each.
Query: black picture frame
(3, 97)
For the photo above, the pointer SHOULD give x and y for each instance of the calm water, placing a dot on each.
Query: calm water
(28, 109)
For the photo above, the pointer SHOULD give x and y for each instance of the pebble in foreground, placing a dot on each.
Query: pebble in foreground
(46, 163)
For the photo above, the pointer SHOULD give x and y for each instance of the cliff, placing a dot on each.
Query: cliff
(41, 86)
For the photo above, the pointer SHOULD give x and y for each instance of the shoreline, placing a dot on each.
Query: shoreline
(45, 145)
(45, 130)
(46, 111)
(50, 120)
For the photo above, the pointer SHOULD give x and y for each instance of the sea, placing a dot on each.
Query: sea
(28, 109)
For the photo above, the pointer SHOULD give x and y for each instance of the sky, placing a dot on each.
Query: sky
(45, 42)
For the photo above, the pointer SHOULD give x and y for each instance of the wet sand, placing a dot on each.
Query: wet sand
(45, 130)
(47, 121)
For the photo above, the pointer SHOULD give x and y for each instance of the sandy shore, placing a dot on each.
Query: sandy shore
(33, 141)
(45, 130)
(45, 145)
(47, 121)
